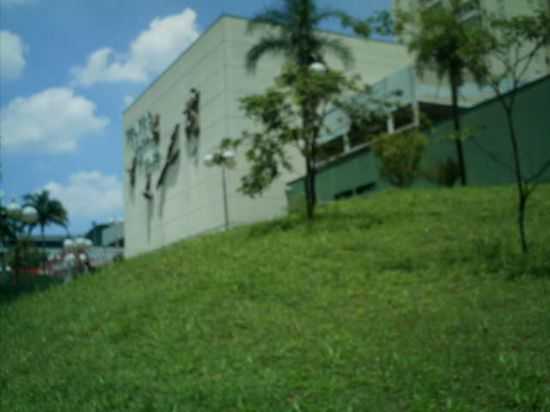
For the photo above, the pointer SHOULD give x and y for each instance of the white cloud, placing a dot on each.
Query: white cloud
(12, 55)
(52, 121)
(150, 53)
(89, 194)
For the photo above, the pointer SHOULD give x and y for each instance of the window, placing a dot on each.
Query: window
(343, 195)
(330, 149)
(364, 189)
(358, 137)
(403, 117)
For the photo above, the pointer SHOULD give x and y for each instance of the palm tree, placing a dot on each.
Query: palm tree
(50, 211)
(291, 31)
(296, 36)
(437, 36)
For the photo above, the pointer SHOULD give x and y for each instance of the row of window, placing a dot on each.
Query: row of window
(359, 190)
(400, 119)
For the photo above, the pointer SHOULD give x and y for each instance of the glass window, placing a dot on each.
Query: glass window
(403, 117)
(330, 149)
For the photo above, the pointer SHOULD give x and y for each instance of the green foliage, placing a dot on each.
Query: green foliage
(8, 228)
(380, 23)
(400, 154)
(407, 301)
(440, 41)
(445, 173)
(501, 57)
(26, 284)
(25, 255)
(50, 211)
(279, 115)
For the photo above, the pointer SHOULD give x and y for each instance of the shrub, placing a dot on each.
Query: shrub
(400, 155)
(445, 173)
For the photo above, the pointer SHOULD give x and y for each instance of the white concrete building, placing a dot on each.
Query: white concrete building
(169, 193)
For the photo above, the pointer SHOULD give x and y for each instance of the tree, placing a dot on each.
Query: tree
(437, 37)
(501, 59)
(50, 211)
(292, 32)
(278, 113)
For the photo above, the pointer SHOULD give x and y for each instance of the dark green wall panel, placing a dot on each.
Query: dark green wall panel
(487, 151)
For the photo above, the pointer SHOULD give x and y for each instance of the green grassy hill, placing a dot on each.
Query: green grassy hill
(405, 301)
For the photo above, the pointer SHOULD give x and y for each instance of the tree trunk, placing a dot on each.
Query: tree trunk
(521, 222)
(43, 238)
(458, 128)
(311, 193)
(16, 259)
(521, 186)
(311, 198)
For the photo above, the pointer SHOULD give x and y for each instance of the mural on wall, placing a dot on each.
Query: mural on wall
(154, 122)
(172, 155)
(144, 141)
(132, 172)
(192, 122)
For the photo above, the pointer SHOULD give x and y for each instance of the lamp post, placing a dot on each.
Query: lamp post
(318, 67)
(225, 159)
(14, 218)
(76, 257)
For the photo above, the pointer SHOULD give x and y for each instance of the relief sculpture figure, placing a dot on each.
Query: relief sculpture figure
(154, 122)
(192, 121)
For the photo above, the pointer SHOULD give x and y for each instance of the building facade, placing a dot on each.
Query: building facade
(169, 192)
(472, 12)
(488, 151)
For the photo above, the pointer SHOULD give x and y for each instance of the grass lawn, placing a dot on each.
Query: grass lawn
(405, 301)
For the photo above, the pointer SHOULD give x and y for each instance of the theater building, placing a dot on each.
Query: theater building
(169, 192)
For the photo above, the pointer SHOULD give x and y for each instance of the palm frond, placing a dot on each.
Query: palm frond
(267, 44)
(49, 210)
(337, 48)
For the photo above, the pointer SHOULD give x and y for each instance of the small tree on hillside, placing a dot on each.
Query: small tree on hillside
(400, 154)
(501, 59)
(279, 115)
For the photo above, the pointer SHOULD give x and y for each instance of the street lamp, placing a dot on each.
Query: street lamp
(76, 256)
(29, 215)
(17, 216)
(318, 67)
(225, 159)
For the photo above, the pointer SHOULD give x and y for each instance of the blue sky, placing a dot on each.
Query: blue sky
(68, 68)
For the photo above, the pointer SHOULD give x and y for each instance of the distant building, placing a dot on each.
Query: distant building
(108, 242)
(50, 244)
(107, 234)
